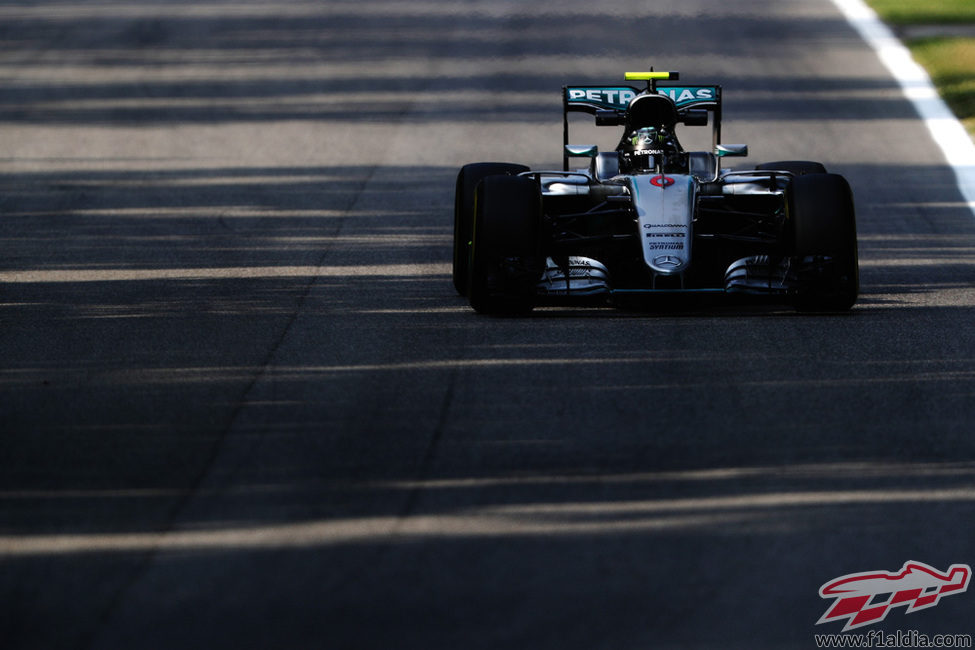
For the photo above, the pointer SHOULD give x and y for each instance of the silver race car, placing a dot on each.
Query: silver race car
(650, 219)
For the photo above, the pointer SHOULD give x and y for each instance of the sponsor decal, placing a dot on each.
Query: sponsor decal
(662, 181)
(866, 598)
(602, 97)
(619, 97)
(682, 96)
(671, 246)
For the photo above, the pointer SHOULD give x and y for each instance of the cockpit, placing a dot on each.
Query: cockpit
(649, 142)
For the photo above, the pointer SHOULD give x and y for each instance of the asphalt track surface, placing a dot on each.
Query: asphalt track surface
(242, 407)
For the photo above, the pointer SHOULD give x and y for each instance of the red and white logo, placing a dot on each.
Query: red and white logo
(662, 181)
(866, 598)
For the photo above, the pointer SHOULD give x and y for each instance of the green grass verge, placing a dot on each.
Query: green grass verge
(921, 12)
(950, 61)
(951, 64)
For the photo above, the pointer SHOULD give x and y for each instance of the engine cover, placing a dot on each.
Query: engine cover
(664, 205)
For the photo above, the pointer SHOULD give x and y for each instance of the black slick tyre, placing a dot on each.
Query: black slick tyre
(824, 228)
(506, 262)
(467, 180)
(796, 167)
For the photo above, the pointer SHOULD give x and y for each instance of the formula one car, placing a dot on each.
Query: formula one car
(651, 219)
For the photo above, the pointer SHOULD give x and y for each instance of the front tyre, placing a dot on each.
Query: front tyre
(467, 180)
(824, 227)
(506, 263)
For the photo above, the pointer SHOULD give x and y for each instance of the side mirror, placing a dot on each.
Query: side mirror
(581, 150)
(731, 150)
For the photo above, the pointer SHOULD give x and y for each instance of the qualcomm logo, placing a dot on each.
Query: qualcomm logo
(866, 598)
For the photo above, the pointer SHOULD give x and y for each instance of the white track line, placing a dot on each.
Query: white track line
(947, 131)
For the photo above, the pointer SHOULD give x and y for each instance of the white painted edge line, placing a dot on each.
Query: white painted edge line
(948, 133)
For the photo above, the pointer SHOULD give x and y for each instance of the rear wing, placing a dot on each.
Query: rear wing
(609, 103)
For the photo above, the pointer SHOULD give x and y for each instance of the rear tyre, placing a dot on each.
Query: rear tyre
(467, 180)
(824, 226)
(506, 261)
(797, 167)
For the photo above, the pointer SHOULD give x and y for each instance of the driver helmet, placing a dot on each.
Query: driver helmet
(647, 138)
(650, 137)
(645, 147)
